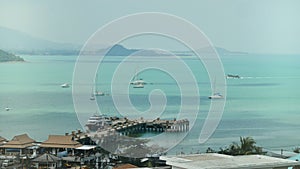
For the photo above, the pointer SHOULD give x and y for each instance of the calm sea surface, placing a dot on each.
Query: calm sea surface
(264, 103)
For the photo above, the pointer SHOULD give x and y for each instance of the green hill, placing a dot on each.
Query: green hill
(8, 57)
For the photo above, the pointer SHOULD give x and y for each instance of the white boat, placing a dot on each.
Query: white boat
(97, 92)
(7, 108)
(65, 85)
(92, 97)
(137, 82)
(138, 85)
(96, 122)
(215, 95)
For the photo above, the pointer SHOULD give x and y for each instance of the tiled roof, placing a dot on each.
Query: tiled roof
(60, 141)
(19, 141)
(45, 158)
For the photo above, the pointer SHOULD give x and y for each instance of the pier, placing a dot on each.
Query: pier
(105, 126)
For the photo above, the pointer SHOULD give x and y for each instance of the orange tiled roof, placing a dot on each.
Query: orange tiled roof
(60, 141)
(19, 141)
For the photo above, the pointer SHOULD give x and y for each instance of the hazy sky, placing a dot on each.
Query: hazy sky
(265, 26)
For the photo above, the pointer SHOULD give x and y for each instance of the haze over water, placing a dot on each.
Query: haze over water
(263, 104)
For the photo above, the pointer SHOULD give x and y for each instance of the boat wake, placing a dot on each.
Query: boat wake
(270, 77)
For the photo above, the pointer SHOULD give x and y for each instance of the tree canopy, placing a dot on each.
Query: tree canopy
(246, 146)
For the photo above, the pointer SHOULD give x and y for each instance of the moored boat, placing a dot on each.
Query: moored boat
(65, 85)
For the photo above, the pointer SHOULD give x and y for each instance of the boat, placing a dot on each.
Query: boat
(138, 85)
(65, 85)
(215, 95)
(92, 95)
(97, 92)
(96, 122)
(7, 108)
(137, 82)
(230, 76)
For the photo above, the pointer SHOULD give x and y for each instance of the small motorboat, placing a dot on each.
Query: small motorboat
(65, 85)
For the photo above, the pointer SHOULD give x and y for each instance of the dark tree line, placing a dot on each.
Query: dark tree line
(247, 146)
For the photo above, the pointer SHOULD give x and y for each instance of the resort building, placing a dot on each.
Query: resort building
(59, 143)
(47, 161)
(20, 144)
(220, 161)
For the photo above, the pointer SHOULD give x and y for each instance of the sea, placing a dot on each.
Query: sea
(264, 103)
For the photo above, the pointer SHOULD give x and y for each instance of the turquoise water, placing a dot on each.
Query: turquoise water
(263, 104)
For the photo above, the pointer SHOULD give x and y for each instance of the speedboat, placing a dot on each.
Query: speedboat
(7, 109)
(65, 85)
(216, 96)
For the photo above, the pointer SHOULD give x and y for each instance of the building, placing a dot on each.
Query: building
(2, 140)
(220, 161)
(125, 166)
(20, 144)
(59, 143)
(47, 161)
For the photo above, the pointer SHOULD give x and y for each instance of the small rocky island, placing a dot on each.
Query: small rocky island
(8, 57)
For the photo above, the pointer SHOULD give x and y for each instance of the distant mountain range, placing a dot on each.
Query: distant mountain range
(8, 57)
(22, 43)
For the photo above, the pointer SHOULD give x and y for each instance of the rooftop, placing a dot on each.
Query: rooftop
(60, 141)
(19, 141)
(219, 161)
(45, 158)
(125, 166)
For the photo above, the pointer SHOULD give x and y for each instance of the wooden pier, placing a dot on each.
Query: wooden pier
(124, 126)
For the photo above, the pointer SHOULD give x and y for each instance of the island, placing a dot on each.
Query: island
(8, 57)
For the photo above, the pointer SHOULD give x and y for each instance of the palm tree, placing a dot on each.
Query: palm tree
(247, 145)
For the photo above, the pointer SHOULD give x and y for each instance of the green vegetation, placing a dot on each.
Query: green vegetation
(246, 147)
(8, 57)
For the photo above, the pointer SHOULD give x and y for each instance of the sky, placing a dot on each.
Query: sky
(257, 26)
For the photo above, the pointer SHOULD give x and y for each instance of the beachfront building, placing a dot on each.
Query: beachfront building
(20, 144)
(220, 161)
(60, 143)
